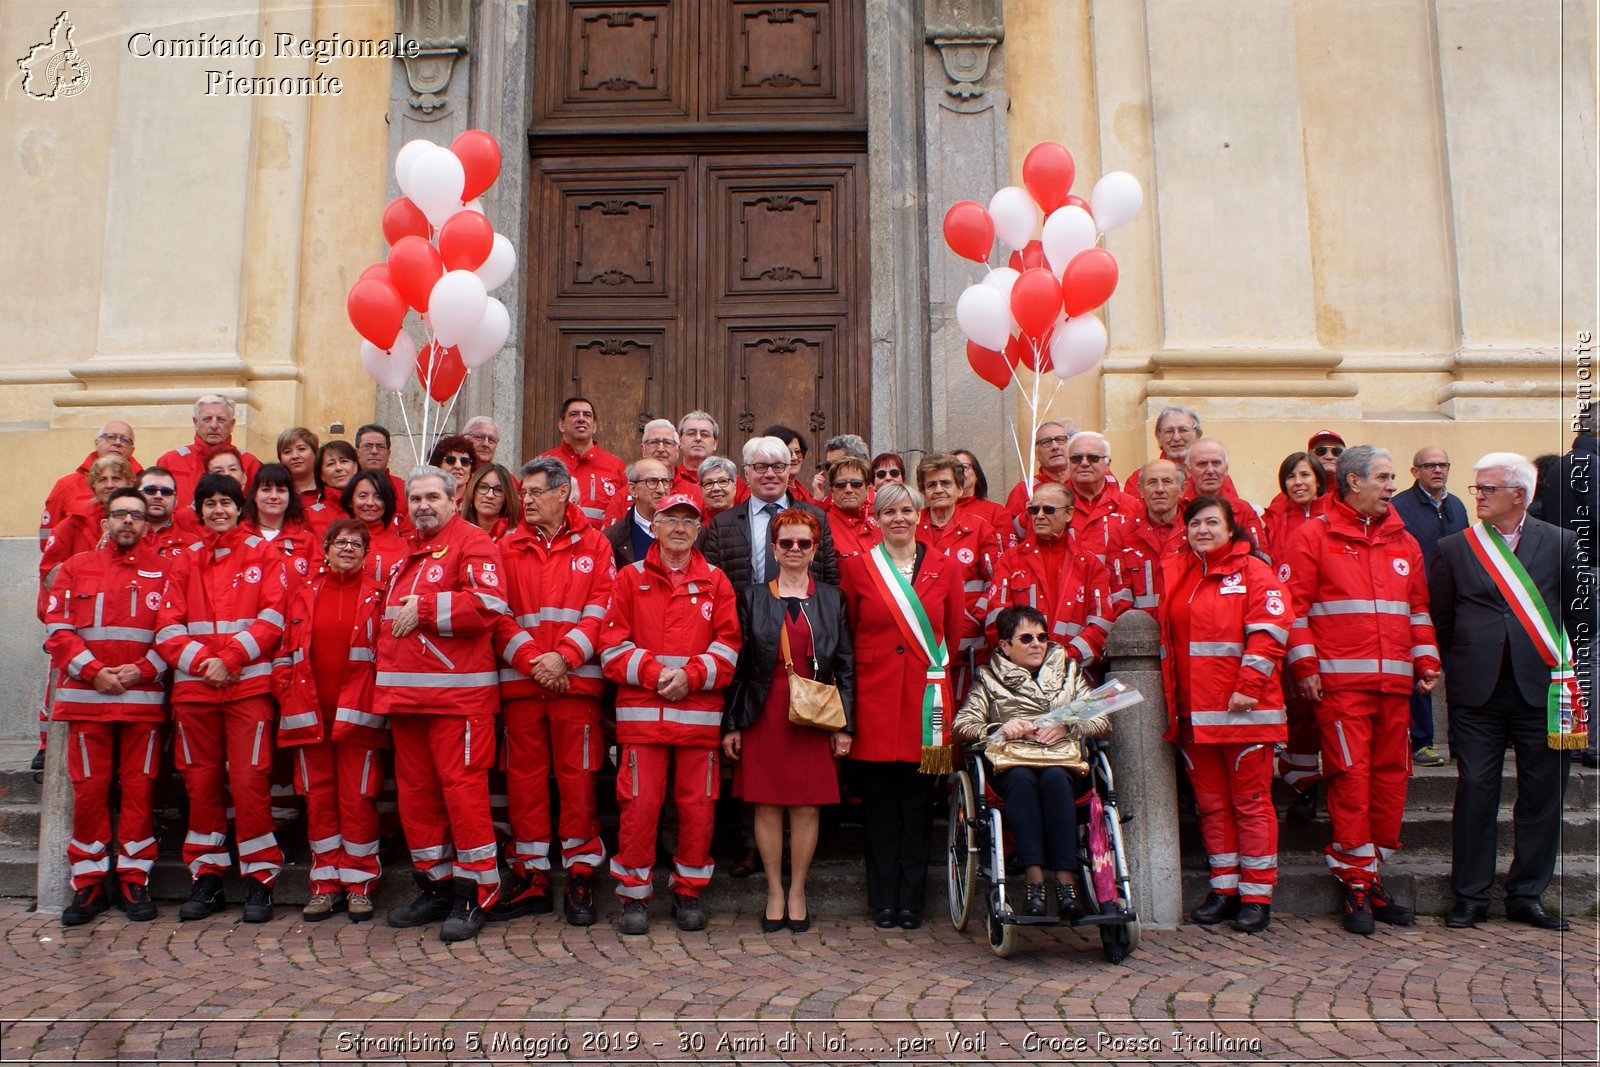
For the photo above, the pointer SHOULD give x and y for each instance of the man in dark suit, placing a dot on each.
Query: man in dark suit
(631, 536)
(1498, 687)
(736, 541)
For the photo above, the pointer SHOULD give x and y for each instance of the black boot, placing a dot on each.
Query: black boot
(578, 901)
(1033, 901)
(87, 903)
(1216, 909)
(1253, 918)
(205, 899)
(431, 905)
(466, 917)
(1067, 905)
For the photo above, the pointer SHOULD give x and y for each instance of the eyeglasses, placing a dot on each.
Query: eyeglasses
(534, 492)
(653, 483)
(157, 490)
(1176, 430)
(116, 438)
(1045, 509)
(1328, 450)
(345, 542)
(1028, 639)
(124, 513)
(484, 438)
(1435, 466)
(373, 446)
(1087, 459)
(457, 461)
(764, 468)
(715, 483)
(850, 483)
(964, 468)
(1058, 439)
(888, 472)
(802, 543)
(659, 441)
(677, 520)
(493, 490)
(1489, 490)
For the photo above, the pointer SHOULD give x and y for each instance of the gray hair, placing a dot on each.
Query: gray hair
(1067, 425)
(848, 443)
(213, 398)
(1104, 444)
(554, 471)
(716, 431)
(1168, 412)
(419, 473)
(476, 419)
(1357, 460)
(631, 472)
(718, 463)
(894, 494)
(1205, 441)
(659, 424)
(1519, 472)
(766, 450)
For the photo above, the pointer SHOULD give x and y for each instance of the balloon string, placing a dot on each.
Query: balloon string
(451, 409)
(411, 438)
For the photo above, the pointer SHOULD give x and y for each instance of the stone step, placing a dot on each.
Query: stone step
(1436, 787)
(18, 784)
(1425, 833)
(19, 824)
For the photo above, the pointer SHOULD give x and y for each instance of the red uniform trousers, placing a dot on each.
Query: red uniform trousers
(1297, 762)
(564, 732)
(1233, 795)
(340, 782)
(97, 752)
(1366, 759)
(641, 790)
(441, 763)
(225, 750)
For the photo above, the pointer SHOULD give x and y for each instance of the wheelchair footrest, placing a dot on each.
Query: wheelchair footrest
(1014, 919)
(1108, 918)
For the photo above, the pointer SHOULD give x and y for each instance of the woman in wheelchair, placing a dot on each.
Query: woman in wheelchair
(1008, 694)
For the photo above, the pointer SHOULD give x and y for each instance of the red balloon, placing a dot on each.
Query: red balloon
(991, 366)
(1028, 256)
(480, 158)
(379, 271)
(446, 370)
(465, 241)
(1035, 302)
(376, 310)
(1088, 281)
(402, 217)
(1020, 350)
(1074, 200)
(969, 231)
(1048, 172)
(414, 267)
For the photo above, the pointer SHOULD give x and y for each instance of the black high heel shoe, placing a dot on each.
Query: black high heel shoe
(772, 926)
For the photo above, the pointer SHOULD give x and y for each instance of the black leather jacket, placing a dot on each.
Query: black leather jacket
(761, 622)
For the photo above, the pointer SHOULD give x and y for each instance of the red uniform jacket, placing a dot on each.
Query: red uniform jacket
(77, 532)
(173, 538)
(1136, 568)
(1080, 617)
(1283, 517)
(446, 666)
(387, 548)
(655, 624)
(1098, 524)
(229, 603)
(103, 614)
(890, 677)
(188, 462)
(992, 512)
(972, 545)
(1223, 631)
(558, 590)
(300, 549)
(302, 720)
(852, 534)
(70, 491)
(598, 478)
(1360, 598)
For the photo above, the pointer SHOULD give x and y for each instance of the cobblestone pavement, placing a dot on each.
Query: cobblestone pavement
(843, 993)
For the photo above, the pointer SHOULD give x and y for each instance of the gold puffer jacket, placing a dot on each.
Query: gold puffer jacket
(1002, 690)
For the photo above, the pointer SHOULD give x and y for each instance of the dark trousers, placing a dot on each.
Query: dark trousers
(1481, 735)
(1042, 815)
(895, 803)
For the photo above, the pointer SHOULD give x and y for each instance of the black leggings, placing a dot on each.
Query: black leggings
(895, 813)
(1042, 814)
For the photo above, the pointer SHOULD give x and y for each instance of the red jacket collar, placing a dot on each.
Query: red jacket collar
(1347, 522)
(697, 569)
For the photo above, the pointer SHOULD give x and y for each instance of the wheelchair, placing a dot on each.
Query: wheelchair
(977, 854)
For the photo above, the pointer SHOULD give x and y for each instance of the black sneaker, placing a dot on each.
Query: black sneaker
(133, 900)
(520, 897)
(37, 763)
(466, 918)
(1218, 907)
(257, 901)
(687, 912)
(87, 903)
(635, 917)
(1358, 910)
(204, 899)
(1253, 917)
(1386, 910)
(578, 900)
(430, 905)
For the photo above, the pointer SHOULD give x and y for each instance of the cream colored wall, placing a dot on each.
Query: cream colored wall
(1375, 215)
(162, 243)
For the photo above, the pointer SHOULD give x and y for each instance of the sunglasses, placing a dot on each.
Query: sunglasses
(850, 483)
(1328, 450)
(157, 490)
(1044, 509)
(888, 472)
(1028, 639)
(1089, 458)
(121, 514)
(802, 543)
(456, 461)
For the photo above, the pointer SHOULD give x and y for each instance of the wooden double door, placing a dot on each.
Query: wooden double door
(698, 237)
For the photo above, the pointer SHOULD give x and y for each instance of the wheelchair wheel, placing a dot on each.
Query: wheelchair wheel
(1002, 936)
(1119, 941)
(961, 869)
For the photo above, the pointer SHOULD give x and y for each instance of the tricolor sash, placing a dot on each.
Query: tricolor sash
(913, 622)
(1566, 723)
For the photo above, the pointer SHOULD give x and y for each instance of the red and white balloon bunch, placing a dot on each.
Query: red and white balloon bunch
(444, 259)
(1036, 310)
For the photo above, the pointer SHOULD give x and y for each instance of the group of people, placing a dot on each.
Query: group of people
(324, 622)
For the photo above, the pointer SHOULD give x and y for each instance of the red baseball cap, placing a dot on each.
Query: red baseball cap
(679, 500)
(1319, 435)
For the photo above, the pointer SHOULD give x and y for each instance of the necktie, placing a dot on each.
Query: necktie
(769, 562)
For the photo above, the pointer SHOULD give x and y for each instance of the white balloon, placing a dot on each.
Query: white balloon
(437, 179)
(475, 204)
(455, 306)
(1068, 231)
(488, 337)
(1001, 279)
(409, 153)
(1077, 345)
(1015, 215)
(984, 316)
(1116, 199)
(501, 262)
(391, 369)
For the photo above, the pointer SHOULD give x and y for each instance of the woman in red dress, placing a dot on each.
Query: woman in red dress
(782, 766)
